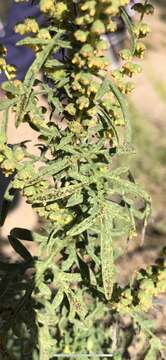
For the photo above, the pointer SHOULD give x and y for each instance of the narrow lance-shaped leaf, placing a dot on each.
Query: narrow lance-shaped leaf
(83, 225)
(30, 78)
(129, 26)
(107, 255)
(103, 89)
(77, 303)
(123, 106)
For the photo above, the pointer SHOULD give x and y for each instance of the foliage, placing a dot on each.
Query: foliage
(67, 299)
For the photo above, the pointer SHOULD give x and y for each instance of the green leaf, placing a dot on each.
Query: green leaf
(58, 299)
(123, 106)
(107, 254)
(129, 26)
(6, 104)
(103, 114)
(52, 168)
(155, 347)
(75, 199)
(77, 303)
(83, 225)
(103, 89)
(30, 79)
(32, 41)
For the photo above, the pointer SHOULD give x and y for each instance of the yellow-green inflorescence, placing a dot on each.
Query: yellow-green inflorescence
(87, 203)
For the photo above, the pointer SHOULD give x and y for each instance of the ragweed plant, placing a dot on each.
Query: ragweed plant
(67, 299)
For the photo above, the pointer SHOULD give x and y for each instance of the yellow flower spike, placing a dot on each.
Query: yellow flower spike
(76, 86)
(124, 2)
(102, 46)
(82, 102)
(88, 5)
(98, 62)
(46, 6)
(140, 50)
(81, 35)
(20, 29)
(111, 26)
(59, 10)
(31, 25)
(70, 108)
(111, 10)
(3, 50)
(130, 69)
(92, 111)
(98, 27)
(77, 60)
(87, 50)
(2, 64)
(126, 54)
(44, 34)
(141, 30)
(8, 166)
(83, 78)
(93, 87)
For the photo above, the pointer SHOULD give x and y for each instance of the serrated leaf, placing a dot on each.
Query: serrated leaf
(32, 41)
(30, 79)
(50, 169)
(107, 255)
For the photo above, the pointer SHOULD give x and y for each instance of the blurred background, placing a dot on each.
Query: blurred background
(147, 108)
